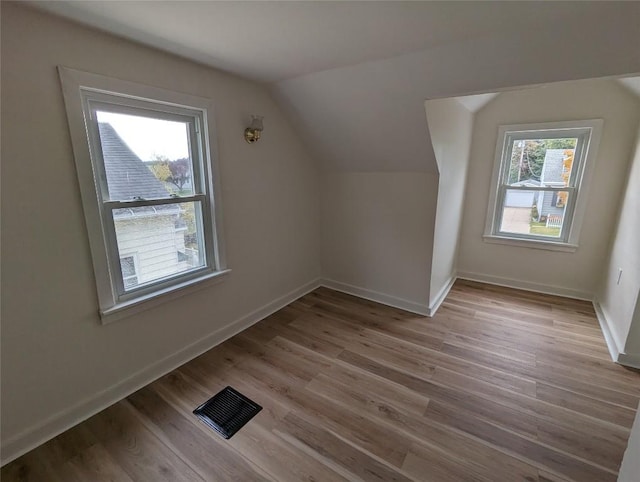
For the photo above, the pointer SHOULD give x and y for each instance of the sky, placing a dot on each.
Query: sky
(147, 137)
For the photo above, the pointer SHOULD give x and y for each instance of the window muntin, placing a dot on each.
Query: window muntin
(538, 179)
(189, 209)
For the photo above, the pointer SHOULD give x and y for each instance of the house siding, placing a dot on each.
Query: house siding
(154, 244)
(546, 207)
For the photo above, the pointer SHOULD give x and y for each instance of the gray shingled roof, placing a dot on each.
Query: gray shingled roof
(127, 175)
(552, 167)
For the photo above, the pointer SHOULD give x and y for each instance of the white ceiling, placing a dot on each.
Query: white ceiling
(275, 40)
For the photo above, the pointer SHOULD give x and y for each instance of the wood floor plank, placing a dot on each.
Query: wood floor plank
(500, 385)
(354, 463)
(403, 328)
(541, 409)
(310, 341)
(428, 464)
(470, 342)
(586, 405)
(526, 449)
(138, 451)
(364, 382)
(480, 460)
(49, 457)
(487, 409)
(283, 461)
(339, 419)
(607, 389)
(94, 464)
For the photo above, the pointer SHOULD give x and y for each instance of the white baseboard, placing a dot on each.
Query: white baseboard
(526, 285)
(614, 351)
(376, 296)
(64, 420)
(442, 294)
(617, 353)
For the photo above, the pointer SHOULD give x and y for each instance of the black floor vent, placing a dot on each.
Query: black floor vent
(227, 412)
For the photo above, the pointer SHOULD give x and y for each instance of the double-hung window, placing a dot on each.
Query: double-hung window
(539, 186)
(149, 187)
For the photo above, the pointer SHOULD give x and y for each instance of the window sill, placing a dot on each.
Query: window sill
(143, 303)
(530, 243)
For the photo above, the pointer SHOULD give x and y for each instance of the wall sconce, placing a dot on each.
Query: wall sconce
(252, 133)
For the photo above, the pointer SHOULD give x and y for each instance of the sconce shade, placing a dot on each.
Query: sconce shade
(256, 122)
(252, 133)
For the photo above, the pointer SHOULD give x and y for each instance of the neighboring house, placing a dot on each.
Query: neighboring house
(151, 241)
(549, 203)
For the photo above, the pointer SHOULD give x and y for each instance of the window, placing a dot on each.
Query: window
(148, 183)
(539, 183)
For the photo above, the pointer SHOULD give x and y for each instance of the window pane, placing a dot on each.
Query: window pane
(541, 162)
(165, 240)
(145, 157)
(540, 213)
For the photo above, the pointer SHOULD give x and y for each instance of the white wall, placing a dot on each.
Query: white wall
(53, 345)
(450, 126)
(630, 467)
(377, 235)
(573, 274)
(619, 301)
(632, 346)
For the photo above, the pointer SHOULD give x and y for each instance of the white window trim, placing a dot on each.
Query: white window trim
(111, 308)
(583, 182)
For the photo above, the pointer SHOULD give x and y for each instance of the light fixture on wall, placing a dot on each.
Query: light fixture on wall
(252, 133)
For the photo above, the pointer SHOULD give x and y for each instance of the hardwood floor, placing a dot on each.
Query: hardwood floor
(501, 385)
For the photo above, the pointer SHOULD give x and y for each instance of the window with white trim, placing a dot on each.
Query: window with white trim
(148, 182)
(540, 180)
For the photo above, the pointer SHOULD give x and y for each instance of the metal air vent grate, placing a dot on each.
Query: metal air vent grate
(227, 412)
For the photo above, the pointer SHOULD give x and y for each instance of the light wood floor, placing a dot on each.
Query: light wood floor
(501, 385)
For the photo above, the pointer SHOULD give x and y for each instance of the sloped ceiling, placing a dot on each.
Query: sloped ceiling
(276, 40)
(354, 75)
(370, 117)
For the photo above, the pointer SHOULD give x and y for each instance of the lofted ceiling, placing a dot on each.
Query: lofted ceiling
(353, 76)
(276, 40)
